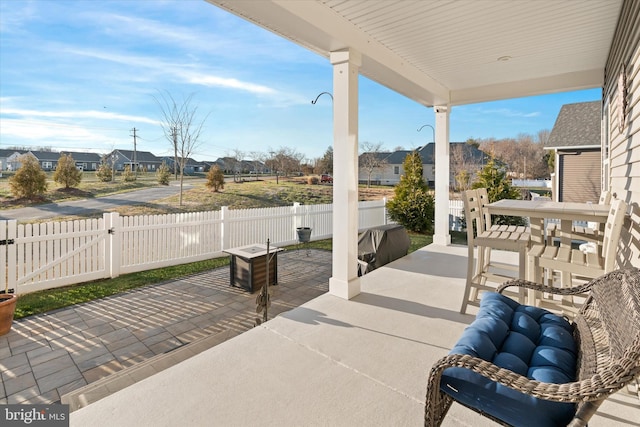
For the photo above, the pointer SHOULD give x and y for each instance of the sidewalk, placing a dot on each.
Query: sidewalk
(46, 356)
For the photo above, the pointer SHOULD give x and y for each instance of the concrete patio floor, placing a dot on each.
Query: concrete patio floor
(46, 356)
(329, 362)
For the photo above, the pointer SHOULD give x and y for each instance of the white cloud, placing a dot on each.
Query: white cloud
(27, 132)
(184, 72)
(231, 83)
(88, 114)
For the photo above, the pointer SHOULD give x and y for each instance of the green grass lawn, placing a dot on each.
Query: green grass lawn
(53, 299)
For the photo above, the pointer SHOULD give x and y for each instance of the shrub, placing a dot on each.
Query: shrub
(313, 180)
(215, 179)
(163, 174)
(29, 181)
(128, 174)
(104, 173)
(66, 172)
(413, 205)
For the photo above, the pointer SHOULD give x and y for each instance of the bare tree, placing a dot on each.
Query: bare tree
(257, 157)
(181, 127)
(523, 156)
(372, 158)
(238, 156)
(284, 160)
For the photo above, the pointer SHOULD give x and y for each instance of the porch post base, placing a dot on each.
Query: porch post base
(343, 289)
(442, 239)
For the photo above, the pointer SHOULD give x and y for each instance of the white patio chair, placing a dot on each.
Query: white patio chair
(573, 263)
(590, 233)
(481, 238)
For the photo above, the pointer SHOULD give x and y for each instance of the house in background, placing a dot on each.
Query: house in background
(49, 159)
(192, 166)
(576, 138)
(141, 159)
(85, 161)
(392, 164)
(5, 163)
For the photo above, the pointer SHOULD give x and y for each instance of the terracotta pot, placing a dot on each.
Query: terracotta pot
(7, 308)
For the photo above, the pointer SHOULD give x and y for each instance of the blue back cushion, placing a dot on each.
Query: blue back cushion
(530, 341)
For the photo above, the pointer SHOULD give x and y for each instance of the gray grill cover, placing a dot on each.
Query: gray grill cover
(380, 245)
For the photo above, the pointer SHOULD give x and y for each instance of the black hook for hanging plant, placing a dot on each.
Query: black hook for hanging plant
(322, 93)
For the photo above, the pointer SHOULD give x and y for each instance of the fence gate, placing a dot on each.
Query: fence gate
(53, 254)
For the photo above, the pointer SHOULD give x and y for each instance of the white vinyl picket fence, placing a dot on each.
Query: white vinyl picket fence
(53, 254)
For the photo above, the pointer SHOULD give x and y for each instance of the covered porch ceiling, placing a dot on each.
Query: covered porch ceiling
(440, 52)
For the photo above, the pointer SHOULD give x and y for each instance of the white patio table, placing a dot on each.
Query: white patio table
(539, 210)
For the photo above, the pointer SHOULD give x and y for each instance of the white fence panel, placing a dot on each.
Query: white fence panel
(54, 254)
(247, 226)
(372, 213)
(47, 255)
(154, 241)
(456, 213)
(317, 217)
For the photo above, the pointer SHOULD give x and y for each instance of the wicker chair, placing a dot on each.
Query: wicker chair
(607, 334)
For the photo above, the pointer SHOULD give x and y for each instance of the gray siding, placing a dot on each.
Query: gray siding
(580, 178)
(621, 147)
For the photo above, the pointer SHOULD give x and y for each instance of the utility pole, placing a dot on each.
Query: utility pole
(135, 162)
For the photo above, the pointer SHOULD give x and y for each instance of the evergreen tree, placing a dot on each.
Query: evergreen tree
(163, 174)
(494, 179)
(215, 178)
(104, 172)
(66, 172)
(128, 174)
(29, 180)
(413, 205)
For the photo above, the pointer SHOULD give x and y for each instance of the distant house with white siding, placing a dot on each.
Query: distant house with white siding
(48, 160)
(392, 169)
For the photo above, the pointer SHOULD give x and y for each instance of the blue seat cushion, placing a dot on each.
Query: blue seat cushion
(530, 341)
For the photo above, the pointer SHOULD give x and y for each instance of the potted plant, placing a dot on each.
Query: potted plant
(304, 234)
(8, 301)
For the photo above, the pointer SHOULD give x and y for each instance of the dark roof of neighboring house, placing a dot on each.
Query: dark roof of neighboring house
(190, 161)
(427, 154)
(577, 125)
(141, 156)
(8, 153)
(83, 156)
(53, 156)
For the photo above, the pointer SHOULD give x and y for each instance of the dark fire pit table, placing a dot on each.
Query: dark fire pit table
(249, 266)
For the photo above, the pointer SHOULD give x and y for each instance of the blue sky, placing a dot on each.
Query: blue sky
(79, 75)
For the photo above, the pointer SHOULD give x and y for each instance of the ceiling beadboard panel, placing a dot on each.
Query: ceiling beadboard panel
(472, 50)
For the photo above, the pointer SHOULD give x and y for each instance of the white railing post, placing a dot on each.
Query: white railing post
(8, 252)
(384, 210)
(114, 228)
(296, 216)
(224, 232)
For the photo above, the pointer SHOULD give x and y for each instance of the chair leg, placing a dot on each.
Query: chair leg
(470, 276)
(437, 403)
(522, 272)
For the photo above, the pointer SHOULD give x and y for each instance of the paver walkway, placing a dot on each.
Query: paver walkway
(46, 356)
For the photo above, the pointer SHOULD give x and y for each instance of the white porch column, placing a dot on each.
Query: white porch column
(344, 282)
(441, 234)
